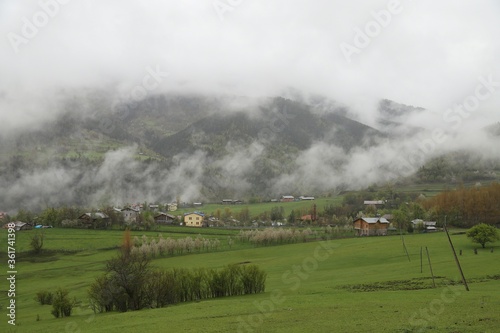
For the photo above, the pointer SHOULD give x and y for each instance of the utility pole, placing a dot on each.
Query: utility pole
(455, 255)
(430, 266)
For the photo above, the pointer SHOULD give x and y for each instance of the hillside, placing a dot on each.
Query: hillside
(313, 285)
(279, 122)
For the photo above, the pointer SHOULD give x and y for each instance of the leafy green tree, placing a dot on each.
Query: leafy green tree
(62, 306)
(244, 215)
(36, 242)
(50, 216)
(277, 213)
(483, 233)
(401, 216)
(292, 217)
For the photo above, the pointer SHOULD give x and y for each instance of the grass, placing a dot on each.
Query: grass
(309, 287)
(259, 208)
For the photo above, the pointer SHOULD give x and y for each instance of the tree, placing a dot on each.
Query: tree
(483, 233)
(37, 242)
(277, 213)
(292, 217)
(123, 285)
(62, 306)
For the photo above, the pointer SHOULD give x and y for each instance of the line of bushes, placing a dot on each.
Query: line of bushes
(129, 283)
(170, 246)
(62, 306)
(274, 236)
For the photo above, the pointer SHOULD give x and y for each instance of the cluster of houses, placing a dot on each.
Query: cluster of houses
(379, 226)
(290, 198)
(363, 226)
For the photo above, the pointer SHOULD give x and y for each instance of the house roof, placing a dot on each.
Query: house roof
(425, 223)
(130, 208)
(287, 197)
(98, 215)
(197, 213)
(374, 202)
(371, 220)
(165, 214)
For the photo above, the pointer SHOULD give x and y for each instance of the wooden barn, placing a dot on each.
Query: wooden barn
(96, 220)
(164, 218)
(371, 226)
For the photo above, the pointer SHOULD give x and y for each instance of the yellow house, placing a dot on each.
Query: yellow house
(193, 219)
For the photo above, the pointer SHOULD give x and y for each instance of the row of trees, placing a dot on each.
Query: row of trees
(129, 283)
(170, 246)
(274, 236)
(466, 207)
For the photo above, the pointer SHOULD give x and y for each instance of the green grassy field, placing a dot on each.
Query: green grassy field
(310, 286)
(259, 208)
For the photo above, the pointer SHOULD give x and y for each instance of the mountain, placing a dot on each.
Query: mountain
(393, 118)
(204, 148)
(278, 123)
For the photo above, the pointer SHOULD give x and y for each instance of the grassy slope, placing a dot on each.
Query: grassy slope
(260, 208)
(309, 300)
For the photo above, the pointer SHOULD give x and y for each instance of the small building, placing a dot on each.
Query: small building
(307, 217)
(302, 197)
(371, 226)
(22, 226)
(154, 208)
(287, 198)
(94, 220)
(194, 219)
(227, 201)
(374, 202)
(164, 218)
(172, 207)
(130, 214)
(428, 226)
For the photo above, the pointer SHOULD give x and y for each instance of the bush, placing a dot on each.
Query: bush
(129, 283)
(44, 297)
(162, 288)
(37, 242)
(62, 306)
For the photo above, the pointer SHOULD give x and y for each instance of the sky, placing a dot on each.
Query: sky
(438, 55)
(419, 53)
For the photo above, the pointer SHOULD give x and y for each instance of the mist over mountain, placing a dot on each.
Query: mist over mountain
(204, 149)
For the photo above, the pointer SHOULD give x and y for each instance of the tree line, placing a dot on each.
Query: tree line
(466, 207)
(130, 283)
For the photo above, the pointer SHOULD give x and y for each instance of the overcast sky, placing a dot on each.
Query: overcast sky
(424, 53)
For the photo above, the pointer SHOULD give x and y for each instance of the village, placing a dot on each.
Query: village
(144, 216)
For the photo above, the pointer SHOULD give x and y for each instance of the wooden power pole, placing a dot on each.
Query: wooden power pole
(455, 255)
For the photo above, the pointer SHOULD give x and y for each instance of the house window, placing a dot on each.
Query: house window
(197, 223)
(190, 217)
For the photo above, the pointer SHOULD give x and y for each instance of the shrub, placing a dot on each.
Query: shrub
(62, 306)
(44, 297)
(37, 242)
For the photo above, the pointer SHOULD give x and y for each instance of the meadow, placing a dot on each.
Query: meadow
(345, 285)
(259, 208)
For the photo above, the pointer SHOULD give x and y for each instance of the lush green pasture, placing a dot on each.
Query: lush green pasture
(309, 288)
(259, 208)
